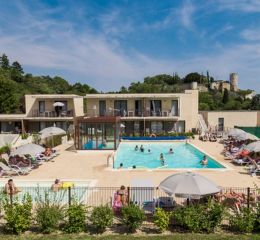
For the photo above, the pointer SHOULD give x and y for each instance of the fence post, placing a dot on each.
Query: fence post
(248, 197)
(11, 197)
(69, 195)
(128, 194)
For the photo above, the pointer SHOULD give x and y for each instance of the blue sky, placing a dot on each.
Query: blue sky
(107, 44)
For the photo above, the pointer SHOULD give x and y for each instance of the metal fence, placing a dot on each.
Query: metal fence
(147, 198)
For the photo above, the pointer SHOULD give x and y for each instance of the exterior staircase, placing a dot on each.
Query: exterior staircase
(202, 124)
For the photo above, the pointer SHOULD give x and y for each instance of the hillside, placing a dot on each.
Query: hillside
(14, 83)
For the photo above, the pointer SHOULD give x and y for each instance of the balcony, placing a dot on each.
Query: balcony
(134, 113)
(52, 114)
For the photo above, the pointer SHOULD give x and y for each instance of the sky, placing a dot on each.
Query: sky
(109, 44)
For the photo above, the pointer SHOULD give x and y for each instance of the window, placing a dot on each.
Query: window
(120, 107)
(221, 124)
(41, 106)
(156, 107)
(174, 110)
(102, 108)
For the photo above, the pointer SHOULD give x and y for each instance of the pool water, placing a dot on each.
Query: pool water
(184, 156)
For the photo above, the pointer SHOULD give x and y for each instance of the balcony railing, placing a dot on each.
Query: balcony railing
(48, 114)
(134, 113)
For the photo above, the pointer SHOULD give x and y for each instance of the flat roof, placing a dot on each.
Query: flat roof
(53, 96)
(137, 95)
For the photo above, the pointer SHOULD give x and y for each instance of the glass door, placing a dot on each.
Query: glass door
(102, 108)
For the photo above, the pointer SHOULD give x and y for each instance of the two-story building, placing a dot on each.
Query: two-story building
(147, 113)
(42, 111)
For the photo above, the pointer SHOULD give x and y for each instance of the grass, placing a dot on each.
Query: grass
(175, 236)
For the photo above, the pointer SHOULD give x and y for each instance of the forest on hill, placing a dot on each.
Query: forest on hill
(14, 84)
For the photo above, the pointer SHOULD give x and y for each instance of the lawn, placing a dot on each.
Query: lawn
(130, 237)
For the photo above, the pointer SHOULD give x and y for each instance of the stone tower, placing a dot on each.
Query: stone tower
(233, 82)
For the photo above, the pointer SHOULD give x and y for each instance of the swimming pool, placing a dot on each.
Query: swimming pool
(184, 156)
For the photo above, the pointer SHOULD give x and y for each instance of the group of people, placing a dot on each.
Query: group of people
(120, 199)
(235, 150)
(161, 157)
(11, 189)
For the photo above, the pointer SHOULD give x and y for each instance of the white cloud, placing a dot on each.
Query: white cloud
(251, 34)
(104, 64)
(186, 14)
(239, 5)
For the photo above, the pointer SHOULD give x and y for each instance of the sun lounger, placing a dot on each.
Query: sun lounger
(9, 170)
(240, 161)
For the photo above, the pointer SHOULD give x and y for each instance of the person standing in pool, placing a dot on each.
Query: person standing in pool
(171, 151)
(162, 159)
(136, 148)
(142, 148)
(204, 161)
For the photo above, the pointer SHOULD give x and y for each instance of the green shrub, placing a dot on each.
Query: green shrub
(257, 218)
(54, 141)
(76, 218)
(5, 149)
(49, 212)
(18, 215)
(36, 138)
(101, 218)
(243, 221)
(200, 218)
(24, 135)
(132, 217)
(161, 219)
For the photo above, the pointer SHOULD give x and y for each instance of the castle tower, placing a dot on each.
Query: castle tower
(233, 82)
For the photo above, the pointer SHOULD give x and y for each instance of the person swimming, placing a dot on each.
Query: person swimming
(204, 161)
(162, 159)
(120, 166)
(171, 151)
(149, 150)
(136, 148)
(142, 148)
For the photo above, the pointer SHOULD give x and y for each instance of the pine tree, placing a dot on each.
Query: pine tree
(4, 62)
(225, 96)
(17, 66)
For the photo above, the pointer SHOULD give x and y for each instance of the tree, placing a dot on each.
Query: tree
(192, 77)
(225, 96)
(16, 72)
(9, 100)
(255, 103)
(17, 66)
(4, 62)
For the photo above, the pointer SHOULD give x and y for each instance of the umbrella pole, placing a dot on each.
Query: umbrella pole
(52, 141)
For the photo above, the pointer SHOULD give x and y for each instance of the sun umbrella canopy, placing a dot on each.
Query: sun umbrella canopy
(253, 147)
(246, 136)
(51, 131)
(188, 185)
(31, 149)
(58, 104)
(235, 131)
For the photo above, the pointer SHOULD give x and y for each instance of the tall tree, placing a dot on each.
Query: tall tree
(4, 62)
(17, 66)
(225, 96)
(9, 101)
(255, 103)
(192, 77)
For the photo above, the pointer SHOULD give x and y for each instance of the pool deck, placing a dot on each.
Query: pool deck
(92, 165)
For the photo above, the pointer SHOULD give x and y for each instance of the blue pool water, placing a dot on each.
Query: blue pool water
(184, 156)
